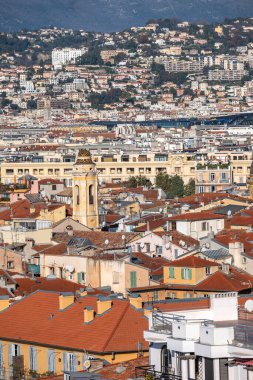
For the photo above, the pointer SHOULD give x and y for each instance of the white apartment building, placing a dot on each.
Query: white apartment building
(61, 57)
(208, 339)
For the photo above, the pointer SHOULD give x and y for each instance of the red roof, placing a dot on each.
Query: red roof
(204, 215)
(235, 281)
(27, 285)
(37, 319)
(192, 262)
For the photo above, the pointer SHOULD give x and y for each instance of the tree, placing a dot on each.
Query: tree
(139, 181)
(173, 186)
(189, 189)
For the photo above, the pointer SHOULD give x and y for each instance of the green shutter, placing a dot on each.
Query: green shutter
(190, 274)
(79, 277)
(171, 272)
(182, 273)
(133, 279)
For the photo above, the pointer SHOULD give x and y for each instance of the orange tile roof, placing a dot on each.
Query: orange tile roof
(234, 281)
(37, 319)
(192, 262)
(204, 215)
(27, 285)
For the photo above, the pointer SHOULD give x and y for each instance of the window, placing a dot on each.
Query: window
(51, 361)
(69, 362)
(176, 253)
(155, 295)
(13, 350)
(10, 264)
(53, 187)
(115, 277)
(9, 171)
(212, 177)
(81, 277)
(244, 260)
(77, 195)
(204, 226)
(208, 271)
(91, 196)
(133, 282)
(171, 272)
(159, 249)
(33, 358)
(147, 247)
(186, 274)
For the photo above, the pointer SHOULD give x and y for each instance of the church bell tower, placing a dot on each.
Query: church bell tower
(85, 190)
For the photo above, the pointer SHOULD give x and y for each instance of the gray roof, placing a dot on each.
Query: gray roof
(232, 208)
(34, 198)
(80, 242)
(216, 254)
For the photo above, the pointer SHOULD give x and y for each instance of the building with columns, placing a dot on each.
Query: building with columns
(85, 193)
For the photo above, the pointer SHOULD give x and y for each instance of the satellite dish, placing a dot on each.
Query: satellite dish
(87, 364)
(142, 245)
(70, 268)
(229, 213)
(249, 305)
(106, 242)
(167, 245)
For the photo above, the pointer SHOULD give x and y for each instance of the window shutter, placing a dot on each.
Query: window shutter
(190, 274)
(64, 361)
(1, 356)
(79, 277)
(10, 354)
(35, 358)
(171, 272)
(182, 273)
(51, 360)
(74, 367)
(133, 279)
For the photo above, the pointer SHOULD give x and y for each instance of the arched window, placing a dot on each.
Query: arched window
(91, 194)
(77, 192)
(165, 359)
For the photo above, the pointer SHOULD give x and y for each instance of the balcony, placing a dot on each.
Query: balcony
(149, 373)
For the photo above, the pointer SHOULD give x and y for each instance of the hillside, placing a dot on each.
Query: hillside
(113, 15)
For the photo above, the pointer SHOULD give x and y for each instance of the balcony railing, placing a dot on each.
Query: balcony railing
(149, 373)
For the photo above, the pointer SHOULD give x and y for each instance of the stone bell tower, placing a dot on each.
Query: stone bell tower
(85, 190)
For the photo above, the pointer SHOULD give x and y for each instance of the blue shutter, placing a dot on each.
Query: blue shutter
(64, 361)
(51, 360)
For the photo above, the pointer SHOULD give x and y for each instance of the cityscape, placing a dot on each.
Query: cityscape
(126, 202)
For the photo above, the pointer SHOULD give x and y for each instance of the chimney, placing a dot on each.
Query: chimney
(103, 304)
(236, 249)
(148, 227)
(136, 301)
(88, 314)
(65, 300)
(4, 302)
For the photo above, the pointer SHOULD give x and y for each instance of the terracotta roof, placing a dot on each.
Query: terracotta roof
(177, 238)
(204, 215)
(27, 285)
(36, 318)
(57, 249)
(207, 198)
(235, 281)
(113, 218)
(192, 262)
(50, 181)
